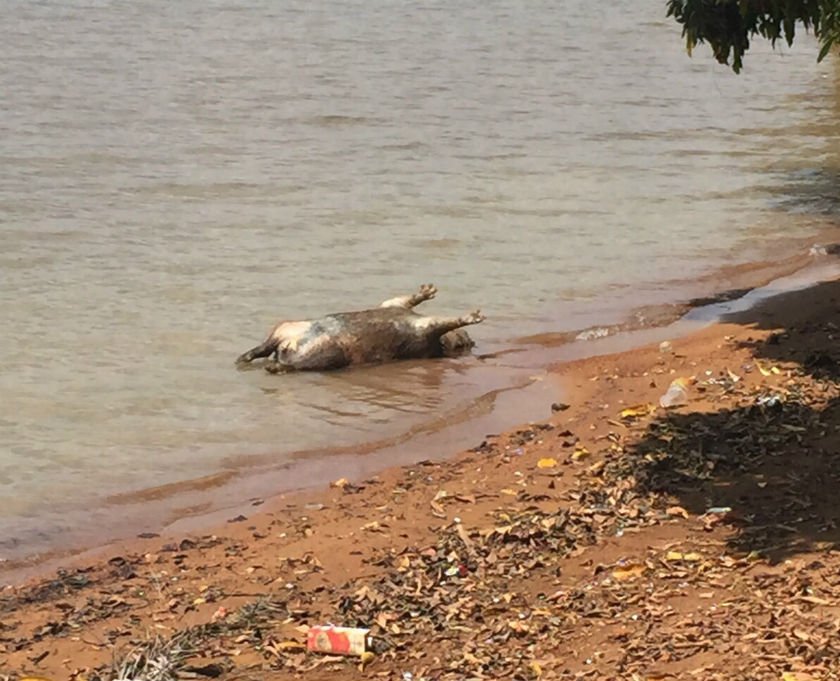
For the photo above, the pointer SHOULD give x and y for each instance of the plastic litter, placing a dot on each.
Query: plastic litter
(676, 394)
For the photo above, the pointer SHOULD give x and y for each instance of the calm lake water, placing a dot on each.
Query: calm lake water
(174, 177)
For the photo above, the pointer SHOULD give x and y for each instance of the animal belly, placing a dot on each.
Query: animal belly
(364, 337)
(320, 353)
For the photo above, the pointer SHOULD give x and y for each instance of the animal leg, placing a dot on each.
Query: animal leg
(426, 292)
(264, 350)
(442, 325)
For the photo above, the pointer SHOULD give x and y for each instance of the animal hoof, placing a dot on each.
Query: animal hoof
(428, 291)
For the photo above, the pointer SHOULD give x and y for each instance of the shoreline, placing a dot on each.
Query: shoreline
(313, 551)
(183, 507)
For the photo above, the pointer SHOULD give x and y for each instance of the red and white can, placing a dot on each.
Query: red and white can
(337, 640)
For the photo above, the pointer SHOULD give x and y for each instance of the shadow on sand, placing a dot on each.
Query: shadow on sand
(771, 453)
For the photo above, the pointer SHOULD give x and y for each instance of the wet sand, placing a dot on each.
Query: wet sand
(610, 539)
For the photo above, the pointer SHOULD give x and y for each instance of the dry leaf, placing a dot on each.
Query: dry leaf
(816, 600)
(437, 510)
(536, 670)
(767, 372)
(547, 463)
(630, 571)
(373, 526)
(637, 411)
(580, 453)
(365, 658)
(685, 557)
(289, 645)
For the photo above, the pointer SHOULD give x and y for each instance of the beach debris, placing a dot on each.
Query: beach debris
(665, 347)
(559, 406)
(337, 640)
(547, 462)
(817, 250)
(340, 483)
(676, 394)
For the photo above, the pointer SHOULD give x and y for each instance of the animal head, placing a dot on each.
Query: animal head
(455, 343)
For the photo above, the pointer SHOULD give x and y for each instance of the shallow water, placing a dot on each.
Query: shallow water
(174, 177)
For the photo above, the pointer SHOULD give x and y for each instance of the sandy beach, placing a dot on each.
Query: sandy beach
(614, 539)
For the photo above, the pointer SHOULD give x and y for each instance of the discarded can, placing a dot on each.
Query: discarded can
(337, 640)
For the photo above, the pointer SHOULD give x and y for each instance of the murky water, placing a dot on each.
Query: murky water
(176, 176)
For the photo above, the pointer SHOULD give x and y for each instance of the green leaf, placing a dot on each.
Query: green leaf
(828, 43)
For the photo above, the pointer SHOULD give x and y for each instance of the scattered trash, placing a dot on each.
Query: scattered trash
(337, 640)
(676, 394)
